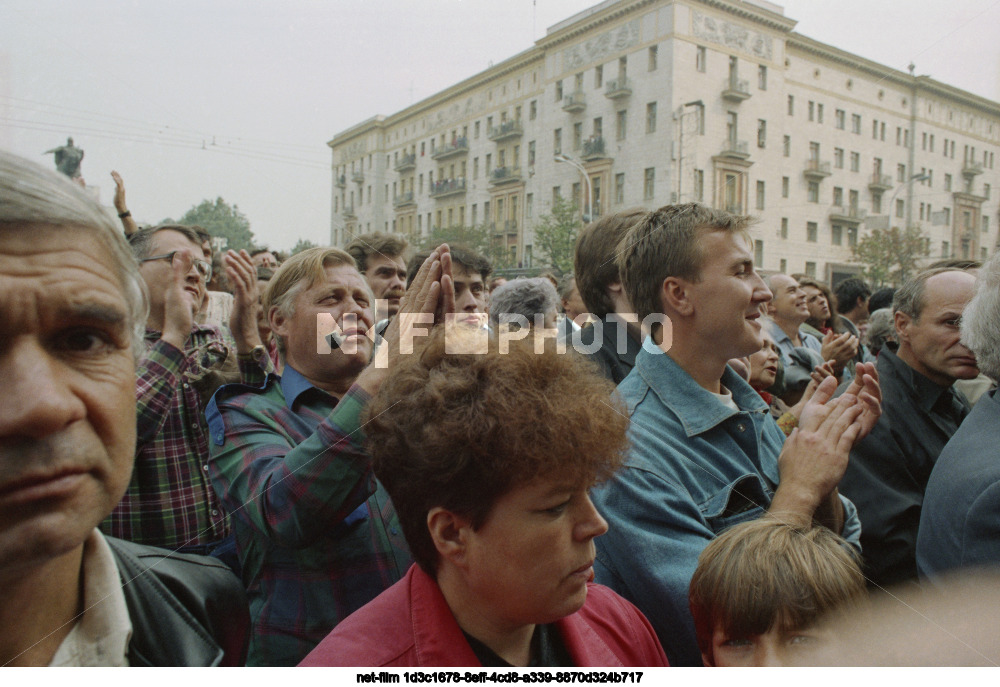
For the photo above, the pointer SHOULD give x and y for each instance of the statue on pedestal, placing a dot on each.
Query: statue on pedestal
(68, 159)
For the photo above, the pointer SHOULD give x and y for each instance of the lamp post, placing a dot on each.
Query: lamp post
(905, 184)
(562, 157)
(680, 145)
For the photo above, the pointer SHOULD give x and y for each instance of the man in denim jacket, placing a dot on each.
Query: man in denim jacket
(705, 454)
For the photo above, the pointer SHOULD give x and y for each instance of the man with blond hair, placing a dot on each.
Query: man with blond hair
(316, 534)
(705, 454)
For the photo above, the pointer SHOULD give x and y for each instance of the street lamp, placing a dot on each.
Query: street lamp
(562, 157)
(905, 184)
(680, 144)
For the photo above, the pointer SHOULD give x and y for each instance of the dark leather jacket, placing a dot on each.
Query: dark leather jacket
(185, 610)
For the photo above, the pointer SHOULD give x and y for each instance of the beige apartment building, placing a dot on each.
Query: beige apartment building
(649, 102)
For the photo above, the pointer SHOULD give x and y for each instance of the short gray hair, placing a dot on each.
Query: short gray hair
(524, 297)
(30, 194)
(141, 242)
(881, 328)
(981, 319)
(909, 299)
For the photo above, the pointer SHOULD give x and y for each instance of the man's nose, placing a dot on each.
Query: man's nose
(37, 400)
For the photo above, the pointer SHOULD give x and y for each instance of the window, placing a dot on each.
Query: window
(784, 228)
(819, 112)
(947, 182)
(786, 146)
(598, 76)
(699, 184)
(783, 266)
(532, 111)
(575, 194)
(761, 133)
(855, 162)
(812, 111)
(598, 126)
(899, 207)
(876, 202)
(945, 249)
(855, 124)
(840, 118)
(838, 195)
(814, 150)
(577, 135)
(652, 58)
(852, 236)
(811, 269)
(812, 232)
(621, 124)
(556, 194)
(622, 67)
(700, 59)
(529, 204)
(899, 135)
(784, 187)
(791, 105)
(852, 199)
(578, 82)
(559, 91)
(900, 172)
(762, 77)
(812, 195)
(557, 141)
(837, 235)
(620, 188)
(531, 153)
(760, 195)
(838, 158)
(986, 191)
(986, 223)
(650, 118)
(648, 183)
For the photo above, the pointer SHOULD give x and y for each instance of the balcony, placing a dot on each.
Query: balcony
(507, 228)
(406, 163)
(816, 170)
(971, 169)
(847, 214)
(349, 212)
(341, 181)
(458, 146)
(880, 182)
(575, 102)
(736, 90)
(505, 131)
(403, 200)
(447, 187)
(510, 227)
(739, 150)
(593, 149)
(505, 175)
(734, 208)
(618, 88)
(358, 177)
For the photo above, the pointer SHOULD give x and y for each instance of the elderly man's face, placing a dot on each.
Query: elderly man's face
(934, 338)
(67, 413)
(344, 295)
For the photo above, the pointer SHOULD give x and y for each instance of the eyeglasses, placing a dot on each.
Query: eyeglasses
(204, 268)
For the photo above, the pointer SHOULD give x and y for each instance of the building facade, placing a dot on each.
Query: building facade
(664, 101)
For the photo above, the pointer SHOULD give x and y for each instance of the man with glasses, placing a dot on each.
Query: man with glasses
(170, 502)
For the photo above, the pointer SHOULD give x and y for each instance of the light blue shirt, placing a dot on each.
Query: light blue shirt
(695, 467)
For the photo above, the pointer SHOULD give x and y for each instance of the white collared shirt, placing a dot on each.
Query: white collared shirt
(101, 634)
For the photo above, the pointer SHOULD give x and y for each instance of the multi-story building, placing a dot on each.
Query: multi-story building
(663, 101)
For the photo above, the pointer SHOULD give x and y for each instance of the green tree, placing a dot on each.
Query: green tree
(889, 256)
(303, 244)
(555, 235)
(478, 238)
(220, 219)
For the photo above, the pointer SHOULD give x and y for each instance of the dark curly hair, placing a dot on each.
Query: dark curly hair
(461, 430)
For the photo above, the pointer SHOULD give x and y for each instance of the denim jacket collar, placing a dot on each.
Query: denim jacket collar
(697, 409)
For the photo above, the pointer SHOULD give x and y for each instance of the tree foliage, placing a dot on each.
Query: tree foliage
(219, 218)
(889, 256)
(555, 235)
(303, 244)
(478, 238)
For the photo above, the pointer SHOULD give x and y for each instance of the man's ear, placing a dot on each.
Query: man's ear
(675, 295)
(902, 321)
(707, 660)
(449, 532)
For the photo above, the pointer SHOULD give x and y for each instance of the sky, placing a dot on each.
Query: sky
(191, 100)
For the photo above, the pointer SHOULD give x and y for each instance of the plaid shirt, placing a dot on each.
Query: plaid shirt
(170, 501)
(316, 533)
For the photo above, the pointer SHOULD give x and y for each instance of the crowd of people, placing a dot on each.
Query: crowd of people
(382, 457)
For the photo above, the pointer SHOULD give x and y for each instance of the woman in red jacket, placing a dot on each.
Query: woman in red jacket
(488, 459)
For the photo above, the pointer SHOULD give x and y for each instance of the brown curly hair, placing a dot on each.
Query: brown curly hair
(461, 430)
